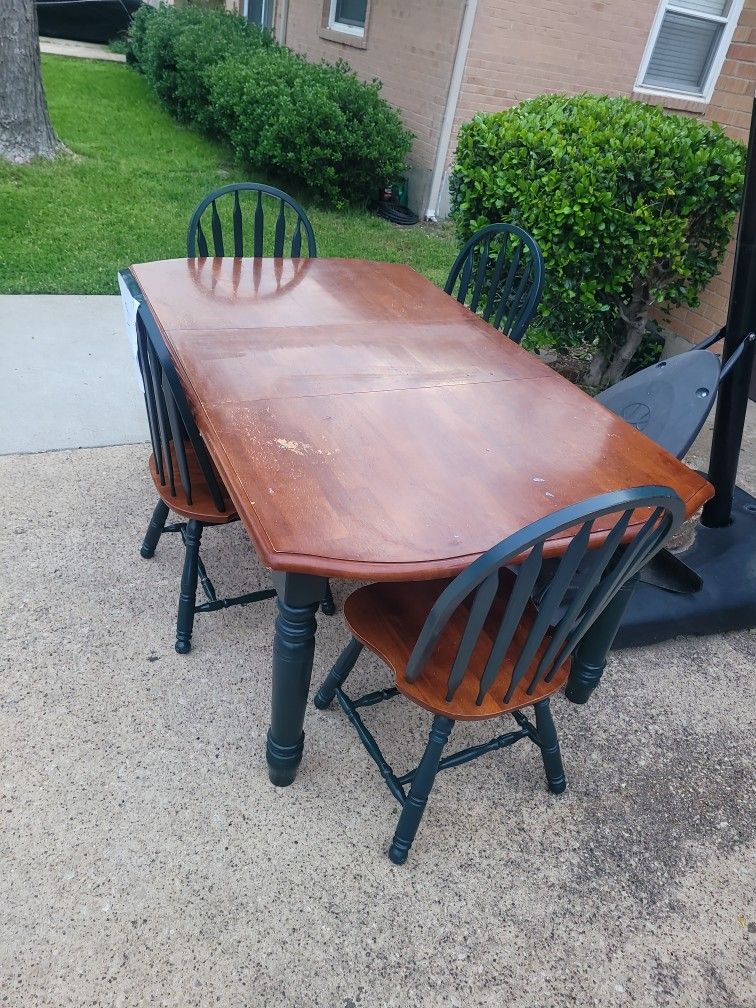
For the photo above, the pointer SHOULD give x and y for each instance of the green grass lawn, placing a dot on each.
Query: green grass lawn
(126, 193)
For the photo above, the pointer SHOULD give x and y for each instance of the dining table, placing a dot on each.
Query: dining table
(368, 427)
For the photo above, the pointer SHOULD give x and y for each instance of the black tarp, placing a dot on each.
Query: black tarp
(85, 20)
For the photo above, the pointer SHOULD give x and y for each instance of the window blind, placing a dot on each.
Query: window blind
(718, 8)
(684, 50)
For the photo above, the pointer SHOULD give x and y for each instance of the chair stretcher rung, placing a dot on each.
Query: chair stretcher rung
(396, 784)
(372, 747)
(472, 752)
(225, 603)
(369, 699)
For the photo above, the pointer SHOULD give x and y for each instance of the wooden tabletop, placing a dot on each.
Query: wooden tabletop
(367, 426)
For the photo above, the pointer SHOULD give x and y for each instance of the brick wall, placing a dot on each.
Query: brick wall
(410, 46)
(522, 49)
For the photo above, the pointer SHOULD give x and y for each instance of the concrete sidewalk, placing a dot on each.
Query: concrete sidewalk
(70, 379)
(82, 50)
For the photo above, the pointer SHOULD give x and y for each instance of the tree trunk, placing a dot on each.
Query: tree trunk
(25, 130)
(595, 374)
(609, 365)
(626, 352)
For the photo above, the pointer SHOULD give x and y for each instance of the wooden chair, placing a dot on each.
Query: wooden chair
(499, 275)
(184, 477)
(289, 217)
(479, 646)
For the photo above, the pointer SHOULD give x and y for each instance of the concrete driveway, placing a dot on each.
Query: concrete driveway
(147, 860)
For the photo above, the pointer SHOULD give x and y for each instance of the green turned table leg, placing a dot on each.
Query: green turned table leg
(299, 596)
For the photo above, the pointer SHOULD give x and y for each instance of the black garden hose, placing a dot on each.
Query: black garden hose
(396, 214)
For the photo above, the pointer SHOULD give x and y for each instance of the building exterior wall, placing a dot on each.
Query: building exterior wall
(523, 48)
(519, 49)
(409, 45)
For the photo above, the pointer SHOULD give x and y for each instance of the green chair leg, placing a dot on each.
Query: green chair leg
(188, 595)
(338, 674)
(412, 811)
(549, 746)
(154, 530)
(328, 606)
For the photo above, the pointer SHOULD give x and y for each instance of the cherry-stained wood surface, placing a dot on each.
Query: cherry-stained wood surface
(367, 426)
(389, 618)
(202, 506)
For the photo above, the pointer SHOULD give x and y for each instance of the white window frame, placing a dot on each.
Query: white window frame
(267, 13)
(346, 29)
(730, 22)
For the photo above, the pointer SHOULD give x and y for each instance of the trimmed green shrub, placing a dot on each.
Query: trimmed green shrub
(177, 48)
(632, 207)
(137, 34)
(316, 125)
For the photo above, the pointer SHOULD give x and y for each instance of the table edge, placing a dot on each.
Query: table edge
(425, 570)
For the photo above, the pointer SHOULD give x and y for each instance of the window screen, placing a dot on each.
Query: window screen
(350, 12)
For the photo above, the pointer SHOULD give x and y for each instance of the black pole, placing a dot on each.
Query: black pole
(741, 320)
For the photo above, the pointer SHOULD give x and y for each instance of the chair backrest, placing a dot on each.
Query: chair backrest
(169, 416)
(286, 216)
(670, 401)
(499, 275)
(583, 583)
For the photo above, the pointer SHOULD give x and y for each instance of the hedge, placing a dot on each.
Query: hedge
(632, 207)
(316, 125)
(177, 49)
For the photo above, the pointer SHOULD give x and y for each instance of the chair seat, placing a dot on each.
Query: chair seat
(202, 507)
(388, 618)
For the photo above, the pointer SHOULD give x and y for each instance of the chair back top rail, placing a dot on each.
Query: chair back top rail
(199, 241)
(583, 584)
(499, 275)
